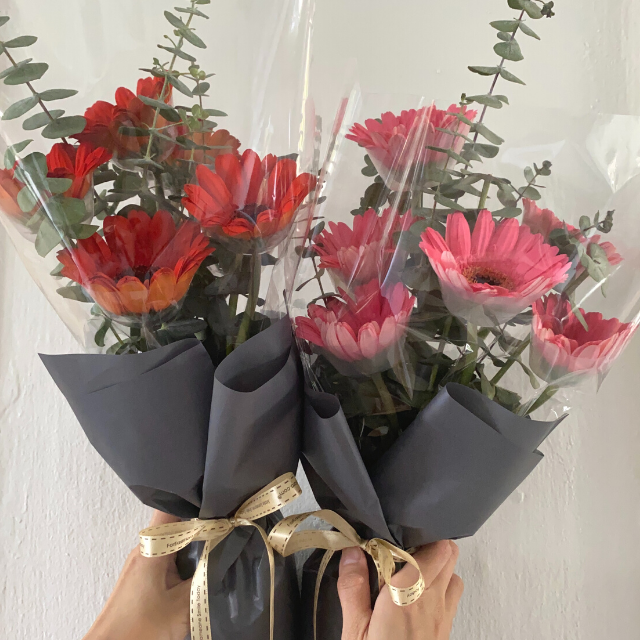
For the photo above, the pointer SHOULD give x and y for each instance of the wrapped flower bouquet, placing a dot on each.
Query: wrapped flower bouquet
(155, 231)
(447, 320)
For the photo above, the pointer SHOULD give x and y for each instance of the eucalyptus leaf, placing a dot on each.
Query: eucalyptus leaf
(509, 51)
(510, 77)
(585, 223)
(64, 127)
(22, 41)
(174, 20)
(201, 89)
(486, 100)
(27, 73)
(101, 333)
(66, 211)
(529, 175)
(531, 193)
(82, 231)
(41, 119)
(19, 108)
(33, 169)
(485, 150)
(57, 94)
(485, 71)
(180, 86)
(4, 20)
(516, 4)
(74, 292)
(505, 37)
(486, 133)
(508, 26)
(532, 9)
(215, 113)
(26, 200)
(167, 111)
(47, 239)
(192, 11)
(13, 69)
(202, 1)
(508, 212)
(59, 185)
(529, 31)
(446, 202)
(194, 39)
(10, 155)
(178, 52)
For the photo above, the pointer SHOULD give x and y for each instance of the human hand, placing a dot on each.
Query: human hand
(149, 602)
(430, 618)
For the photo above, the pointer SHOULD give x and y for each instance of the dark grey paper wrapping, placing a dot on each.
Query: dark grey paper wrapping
(196, 442)
(442, 479)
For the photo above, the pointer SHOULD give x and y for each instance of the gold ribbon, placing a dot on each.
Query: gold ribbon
(287, 540)
(170, 538)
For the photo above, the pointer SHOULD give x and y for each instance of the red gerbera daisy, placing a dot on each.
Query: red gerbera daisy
(76, 163)
(141, 265)
(248, 199)
(105, 120)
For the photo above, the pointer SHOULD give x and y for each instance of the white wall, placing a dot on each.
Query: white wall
(559, 560)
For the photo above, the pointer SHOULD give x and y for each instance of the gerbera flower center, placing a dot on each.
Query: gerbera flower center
(251, 211)
(487, 275)
(141, 272)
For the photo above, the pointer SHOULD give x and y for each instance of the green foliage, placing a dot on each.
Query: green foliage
(19, 108)
(22, 41)
(509, 51)
(56, 94)
(41, 119)
(26, 73)
(64, 127)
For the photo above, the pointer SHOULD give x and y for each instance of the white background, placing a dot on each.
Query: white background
(559, 560)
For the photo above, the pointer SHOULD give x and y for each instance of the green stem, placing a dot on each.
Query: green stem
(387, 400)
(33, 91)
(116, 334)
(485, 194)
(252, 301)
(512, 360)
(542, 399)
(574, 284)
(472, 340)
(166, 82)
(495, 79)
(443, 343)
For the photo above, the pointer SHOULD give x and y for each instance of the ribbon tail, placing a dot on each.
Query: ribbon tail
(323, 567)
(200, 622)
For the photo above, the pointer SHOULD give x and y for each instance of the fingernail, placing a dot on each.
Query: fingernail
(351, 556)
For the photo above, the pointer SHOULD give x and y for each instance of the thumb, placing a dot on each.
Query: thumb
(355, 596)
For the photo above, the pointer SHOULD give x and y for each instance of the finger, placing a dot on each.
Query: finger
(159, 518)
(355, 596)
(432, 559)
(453, 595)
(441, 583)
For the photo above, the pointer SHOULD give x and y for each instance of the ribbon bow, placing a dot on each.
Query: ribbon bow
(170, 538)
(286, 540)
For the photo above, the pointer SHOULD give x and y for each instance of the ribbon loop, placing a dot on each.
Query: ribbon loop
(170, 538)
(286, 539)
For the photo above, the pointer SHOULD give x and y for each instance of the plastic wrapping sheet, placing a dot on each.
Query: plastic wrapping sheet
(453, 300)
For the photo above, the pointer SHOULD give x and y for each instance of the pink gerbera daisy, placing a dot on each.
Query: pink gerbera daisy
(397, 144)
(364, 253)
(493, 275)
(562, 347)
(361, 330)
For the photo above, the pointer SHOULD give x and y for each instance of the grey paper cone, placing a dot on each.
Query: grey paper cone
(442, 479)
(197, 445)
(147, 415)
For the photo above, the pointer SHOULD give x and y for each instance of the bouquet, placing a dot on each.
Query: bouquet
(155, 231)
(447, 319)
